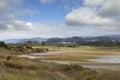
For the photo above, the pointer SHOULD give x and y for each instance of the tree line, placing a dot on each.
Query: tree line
(95, 41)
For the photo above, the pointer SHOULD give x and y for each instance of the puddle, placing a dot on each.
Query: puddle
(107, 59)
(91, 65)
(32, 57)
(110, 62)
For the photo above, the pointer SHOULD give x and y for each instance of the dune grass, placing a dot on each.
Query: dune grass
(26, 69)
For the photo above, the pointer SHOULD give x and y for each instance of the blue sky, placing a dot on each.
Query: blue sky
(50, 11)
(58, 18)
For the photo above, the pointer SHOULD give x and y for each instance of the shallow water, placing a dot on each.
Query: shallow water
(107, 59)
(111, 62)
(91, 65)
(99, 59)
(32, 57)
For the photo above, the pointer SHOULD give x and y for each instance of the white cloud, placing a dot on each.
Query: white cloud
(96, 17)
(47, 31)
(111, 8)
(47, 1)
(87, 16)
(29, 24)
(17, 25)
(9, 18)
(93, 2)
(21, 25)
(88, 20)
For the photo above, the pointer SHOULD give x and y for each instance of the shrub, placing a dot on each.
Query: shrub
(8, 58)
(73, 67)
(3, 45)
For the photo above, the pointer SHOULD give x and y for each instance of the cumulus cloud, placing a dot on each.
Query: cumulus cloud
(111, 8)
(96, 17)
(16, 25)
(9, 20)
(47, 1)
(87, 16)
(21, 25)
(100, 17)
(93, 21)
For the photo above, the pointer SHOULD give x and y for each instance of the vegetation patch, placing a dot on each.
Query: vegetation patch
(68, 58)
(25, 69)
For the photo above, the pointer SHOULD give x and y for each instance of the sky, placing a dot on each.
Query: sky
(58, 18)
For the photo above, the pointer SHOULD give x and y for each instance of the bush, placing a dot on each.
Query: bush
(73, 67)
(8, 58)
(3, 45)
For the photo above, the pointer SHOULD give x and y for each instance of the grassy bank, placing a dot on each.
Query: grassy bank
(68, 58)
(25, 69)
(16, 68)
(109, 48)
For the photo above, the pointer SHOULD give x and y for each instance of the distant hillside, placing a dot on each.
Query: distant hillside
(77, 40)
(24, 40)
(98, 40)
(114, 36)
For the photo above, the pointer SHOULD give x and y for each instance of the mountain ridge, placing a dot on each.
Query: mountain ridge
(38, 39)
(24, 40)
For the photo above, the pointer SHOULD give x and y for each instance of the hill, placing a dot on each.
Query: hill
(23, 40)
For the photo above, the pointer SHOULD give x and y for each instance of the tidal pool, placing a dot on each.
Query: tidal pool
(107, 59)
(92, 65)
(111, 62)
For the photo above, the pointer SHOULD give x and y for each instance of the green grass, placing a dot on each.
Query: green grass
(52, 48)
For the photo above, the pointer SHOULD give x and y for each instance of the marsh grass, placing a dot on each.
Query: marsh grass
(26, 69)
(88, 52)
(80, 47)
(68, 58)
